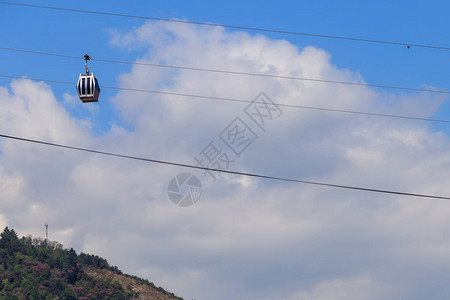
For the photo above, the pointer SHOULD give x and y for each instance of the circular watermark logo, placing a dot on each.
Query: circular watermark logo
(184, 189)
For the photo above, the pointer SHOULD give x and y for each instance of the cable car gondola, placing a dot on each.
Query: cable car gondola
(87, 86)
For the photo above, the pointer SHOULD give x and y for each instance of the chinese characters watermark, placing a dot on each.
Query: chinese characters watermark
(185, 189)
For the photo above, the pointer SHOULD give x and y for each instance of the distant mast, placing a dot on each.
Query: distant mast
(46, 231)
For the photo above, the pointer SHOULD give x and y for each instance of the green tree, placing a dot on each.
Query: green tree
(10, 296)
(69, 294)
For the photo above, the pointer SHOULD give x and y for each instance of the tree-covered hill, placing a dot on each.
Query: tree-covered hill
(32, 268)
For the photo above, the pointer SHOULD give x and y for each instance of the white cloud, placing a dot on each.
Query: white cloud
(360, 288)
(245, 238)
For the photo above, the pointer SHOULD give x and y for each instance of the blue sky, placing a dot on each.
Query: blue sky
(70, 33)
(315, 242)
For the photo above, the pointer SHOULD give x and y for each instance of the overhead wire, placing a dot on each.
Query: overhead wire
(261, 176)
(240, 100)
(254, 175)
(277, 76)
(232, 72)
(268, 30)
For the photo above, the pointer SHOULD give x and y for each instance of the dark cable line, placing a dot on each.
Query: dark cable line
(234, 72)
(231, 26)
(277, 76)
(41, 52)
(241, 100)
(269, 177)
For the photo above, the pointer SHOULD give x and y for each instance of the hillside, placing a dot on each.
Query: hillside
(32, 268)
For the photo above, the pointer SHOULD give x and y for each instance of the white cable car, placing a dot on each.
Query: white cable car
(87, 86)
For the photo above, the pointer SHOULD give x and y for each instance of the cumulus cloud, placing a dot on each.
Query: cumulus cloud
(359, 288)
(245, 238)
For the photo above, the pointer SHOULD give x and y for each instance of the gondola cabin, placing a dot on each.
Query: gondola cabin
(88, 88)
